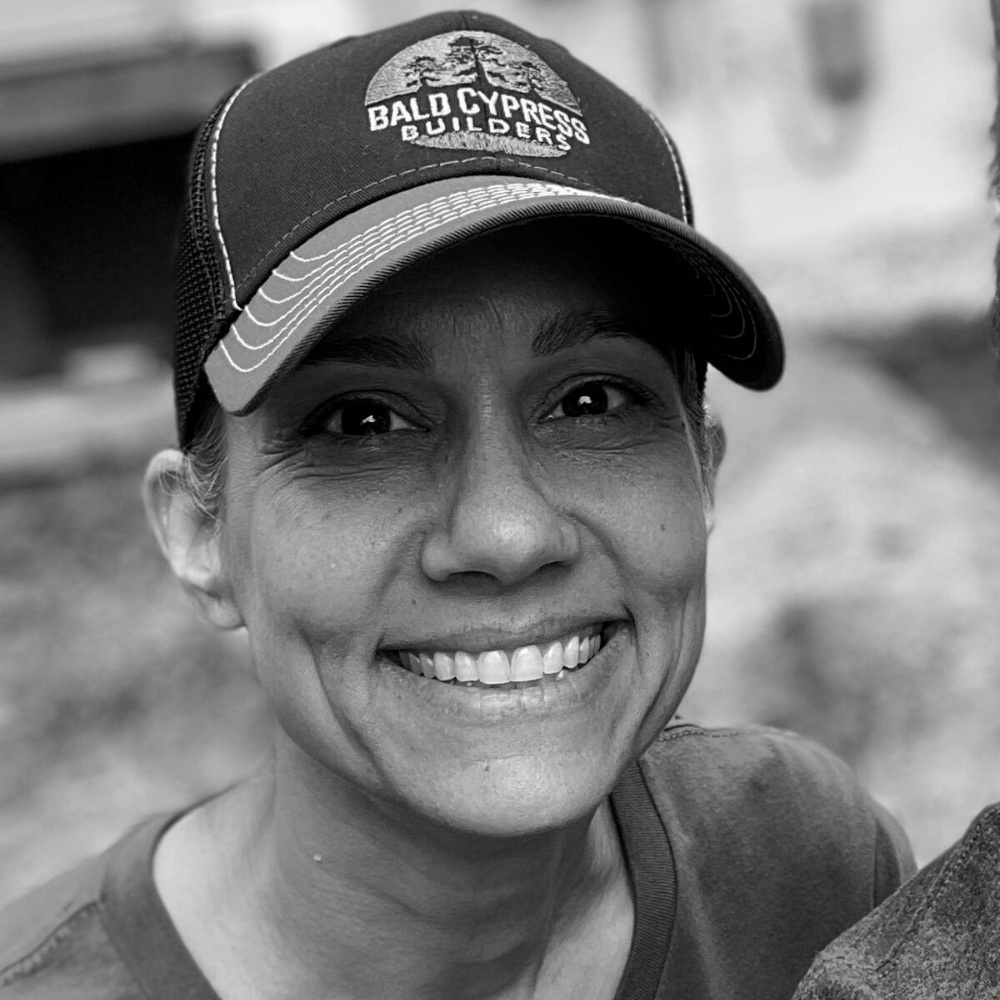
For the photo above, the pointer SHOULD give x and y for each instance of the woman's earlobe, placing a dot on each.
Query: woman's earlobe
(188, 537)
(715, 434)
(715, 441)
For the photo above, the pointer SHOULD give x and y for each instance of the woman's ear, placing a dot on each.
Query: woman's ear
(189, 537)
(715, 443)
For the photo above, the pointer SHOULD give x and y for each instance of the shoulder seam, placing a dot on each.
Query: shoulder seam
(686, 729)
(941, 882)
(29, 962)
(707, 734)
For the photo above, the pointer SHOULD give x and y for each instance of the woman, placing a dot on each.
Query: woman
(444, 456)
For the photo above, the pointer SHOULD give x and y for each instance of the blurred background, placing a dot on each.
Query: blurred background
(838, 148)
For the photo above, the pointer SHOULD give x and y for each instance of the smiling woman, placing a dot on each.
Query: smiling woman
(445, 458)
(481, 467)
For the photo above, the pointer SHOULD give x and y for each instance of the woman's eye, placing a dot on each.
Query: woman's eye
(362, 417)
(592, 399)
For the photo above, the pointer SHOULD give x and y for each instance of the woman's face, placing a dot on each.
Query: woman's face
(484, 471)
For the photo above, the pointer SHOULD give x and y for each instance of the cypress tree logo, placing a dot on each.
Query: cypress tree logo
(475, 90)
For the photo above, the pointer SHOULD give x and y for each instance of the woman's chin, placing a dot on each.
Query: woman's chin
(513, 798)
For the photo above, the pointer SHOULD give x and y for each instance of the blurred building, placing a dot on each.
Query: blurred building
(98, 103)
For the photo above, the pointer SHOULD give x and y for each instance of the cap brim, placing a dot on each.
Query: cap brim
(320, 281)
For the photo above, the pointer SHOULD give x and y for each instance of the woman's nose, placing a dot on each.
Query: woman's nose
(498, 521)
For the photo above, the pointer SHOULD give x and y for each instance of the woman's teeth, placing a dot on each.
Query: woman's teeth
(498, 666)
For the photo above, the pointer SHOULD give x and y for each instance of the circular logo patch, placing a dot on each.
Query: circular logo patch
(475, 90)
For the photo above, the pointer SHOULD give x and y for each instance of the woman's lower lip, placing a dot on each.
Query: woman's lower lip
(509, 686)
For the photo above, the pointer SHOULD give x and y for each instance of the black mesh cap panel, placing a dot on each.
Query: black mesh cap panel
(200, 289)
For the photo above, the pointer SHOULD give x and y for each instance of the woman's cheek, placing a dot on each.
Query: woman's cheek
(313, 579)
(653, 515)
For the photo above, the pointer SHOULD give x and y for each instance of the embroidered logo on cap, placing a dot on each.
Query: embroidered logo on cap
(475, 90)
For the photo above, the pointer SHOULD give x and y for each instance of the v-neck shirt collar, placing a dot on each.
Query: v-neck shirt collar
(149, 944)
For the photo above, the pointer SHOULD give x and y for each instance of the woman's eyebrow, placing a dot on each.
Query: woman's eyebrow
(569, 329)
(572, 329)
(400, 351)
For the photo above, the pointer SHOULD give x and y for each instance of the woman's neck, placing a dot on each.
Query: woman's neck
(295, 884)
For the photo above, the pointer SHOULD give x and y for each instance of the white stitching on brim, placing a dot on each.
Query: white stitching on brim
(348, 259)
(372, 236)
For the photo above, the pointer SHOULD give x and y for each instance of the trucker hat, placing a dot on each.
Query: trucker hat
(314, 182)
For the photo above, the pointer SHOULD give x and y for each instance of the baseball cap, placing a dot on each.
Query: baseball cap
(316, 181)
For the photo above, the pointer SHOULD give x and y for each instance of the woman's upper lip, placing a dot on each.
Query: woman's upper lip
(482, 639)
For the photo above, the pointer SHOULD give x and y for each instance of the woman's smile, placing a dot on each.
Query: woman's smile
(494, 658)
(522, 664)
(564, 698)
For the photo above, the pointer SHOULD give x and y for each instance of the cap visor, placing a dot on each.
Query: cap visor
(316, 284)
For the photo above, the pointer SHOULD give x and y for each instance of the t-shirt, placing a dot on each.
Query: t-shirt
(748, 850)
(938, 937)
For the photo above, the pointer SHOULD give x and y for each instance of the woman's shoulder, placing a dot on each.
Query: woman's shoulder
(764, 786)
(777, 849)
(43, 933)
(56, 939)
(751, 763)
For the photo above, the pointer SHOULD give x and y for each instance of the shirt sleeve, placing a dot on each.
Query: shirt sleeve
(894, 861)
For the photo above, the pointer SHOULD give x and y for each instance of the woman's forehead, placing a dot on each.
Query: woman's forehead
(546, 295)
(416, 345)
